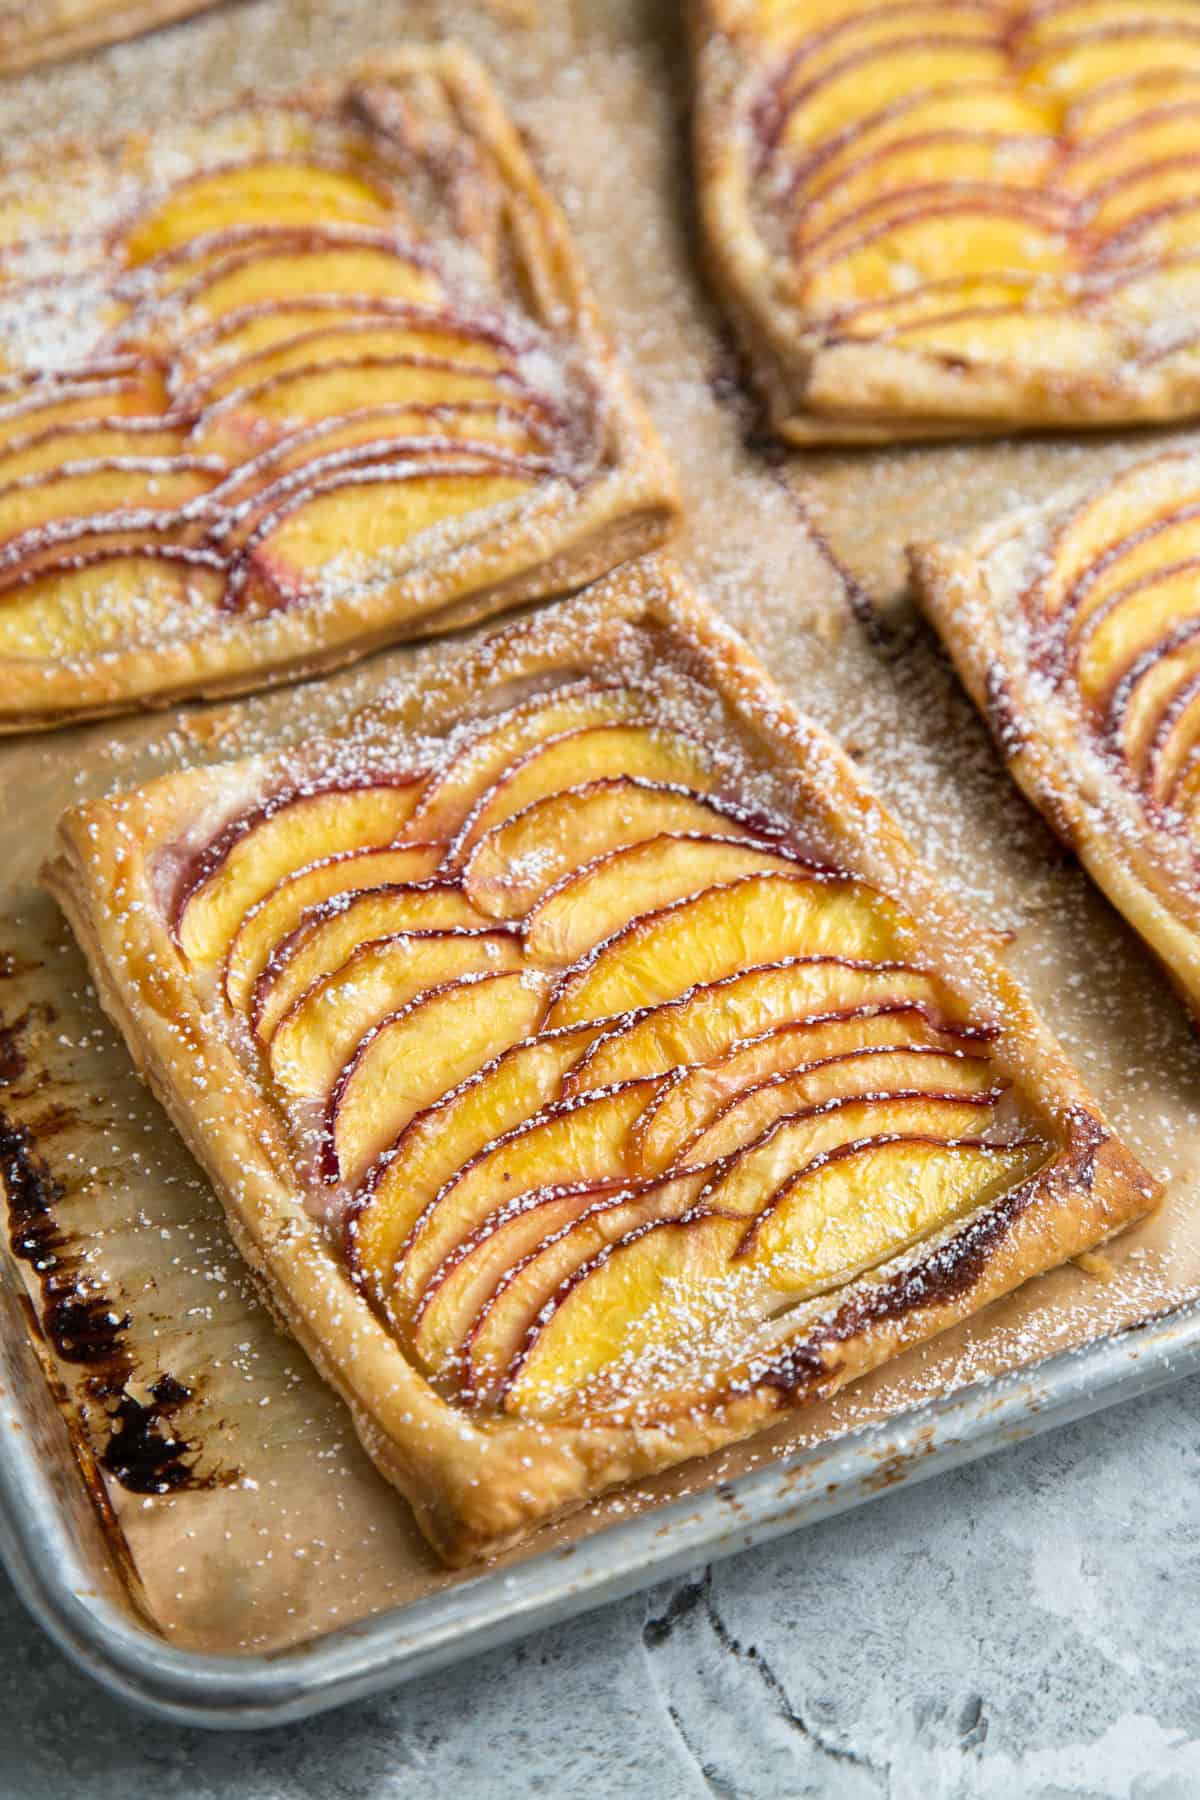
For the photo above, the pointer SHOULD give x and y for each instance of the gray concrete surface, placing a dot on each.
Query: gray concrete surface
(1024, 1627)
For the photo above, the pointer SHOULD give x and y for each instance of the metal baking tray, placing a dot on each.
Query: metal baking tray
(52, 1556)
(781, 546)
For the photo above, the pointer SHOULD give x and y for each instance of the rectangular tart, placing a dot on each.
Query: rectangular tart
(954, 217)
(576, 1077)
(292, 381)
(1075, 626)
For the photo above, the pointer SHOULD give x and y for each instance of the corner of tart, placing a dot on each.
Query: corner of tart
(954, 217)
(587, 1068)
(1075, 625)
(285, 383)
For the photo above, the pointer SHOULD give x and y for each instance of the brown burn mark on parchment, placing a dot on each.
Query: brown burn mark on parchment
(137, 1442)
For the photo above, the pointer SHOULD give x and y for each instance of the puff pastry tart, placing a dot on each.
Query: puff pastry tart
(39, 31)
(287, 383)
(570, 1061)
(955, 216)
(1076, 627)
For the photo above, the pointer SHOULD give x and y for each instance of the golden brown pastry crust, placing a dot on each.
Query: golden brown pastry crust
(479, 1484)
(823, 385)
(46, 32)
(1063, 754)
(562, 536)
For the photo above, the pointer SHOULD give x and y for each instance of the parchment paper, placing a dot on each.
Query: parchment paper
(285, 1530)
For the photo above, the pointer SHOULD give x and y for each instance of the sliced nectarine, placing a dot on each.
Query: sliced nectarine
(369, 519)
(650, 1302)
(757, 919)
(466, 1279)
(88, 440)
(953, 237)
(695, 1097)
(517, 862)
(1080, 61)
(993, 109)
(744, 1183)
(321, 1030)
(271, 192)
(437, 1143)
(258, 849)
(868, 1203)
(878, 1070)
(926, 162)
(325, 266)
(278, 913)
(1166, 542)
(333, 930)
(505, 1322)
(278, 343)
(124, 484)
(456, 789)
(583, 909)
(410, 1059)
(651, 752)
(641, 1297)
(1128, 504)
(709, 1021)
(868, 82)
(134, 392)
(332, 390)
(1142, 698)
(1131, 623)
(575, 1141)
(106, 601)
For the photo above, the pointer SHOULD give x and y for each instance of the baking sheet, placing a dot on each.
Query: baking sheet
(279, 1530)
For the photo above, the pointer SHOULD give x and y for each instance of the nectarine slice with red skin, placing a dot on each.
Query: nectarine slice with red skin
(1078, 62)
(869, 80)
(1122, 103)
(996, 108)
(108, 488)
(601, 897)
(474, 429)
(435, 1145)
(331, 931)
(642, 1303)
(133, 393)
(515, 864)
(817, 1229)
(567, 1142)
(278, 913)
(366, 269)
(1164, 131)
(592, 753)
(369, 515)
(1146, 692)
(1130, 623)
(709, 1021)
(876, 1070)
(504, 1323)
(1131, 504)
(287, 191)
(89, 440)
(1169, 776)
(754, 920)
(454, 790)
(695, 1097)
(745, 1180)
(362, 339)
(655, 1297)
(321, 1031)
(262, 846)
(96, 600)
(412, 1058)
(469, 1275)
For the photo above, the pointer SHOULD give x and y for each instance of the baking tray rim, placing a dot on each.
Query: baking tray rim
(234, 1692)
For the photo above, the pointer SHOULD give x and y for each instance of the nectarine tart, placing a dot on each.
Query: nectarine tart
(1075, 625)
(932, 217)
(586, 1065)
(39, 31)
(286, 383)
